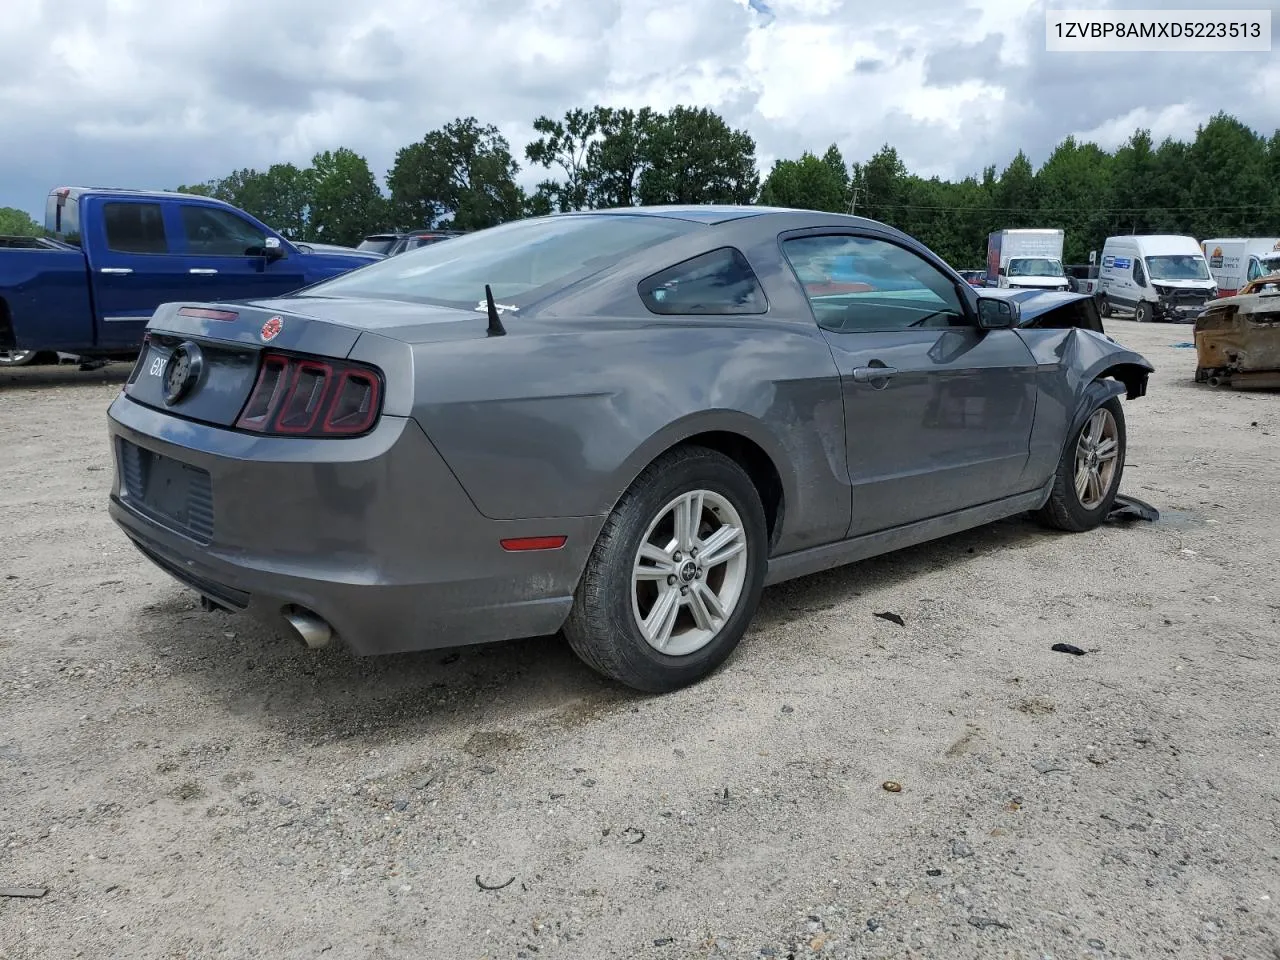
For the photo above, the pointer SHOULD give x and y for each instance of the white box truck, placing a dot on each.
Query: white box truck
(1234, 261)
(1158, 277)
(1026, 258)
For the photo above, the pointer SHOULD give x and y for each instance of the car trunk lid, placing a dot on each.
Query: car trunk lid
(231, 339)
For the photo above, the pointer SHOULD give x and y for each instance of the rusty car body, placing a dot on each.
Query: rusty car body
(1238, 338)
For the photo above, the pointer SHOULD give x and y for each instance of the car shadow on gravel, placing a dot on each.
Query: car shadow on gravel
(821, 591)
(268, 681)
(62, 375)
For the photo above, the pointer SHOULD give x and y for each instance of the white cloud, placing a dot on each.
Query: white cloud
(154, 93)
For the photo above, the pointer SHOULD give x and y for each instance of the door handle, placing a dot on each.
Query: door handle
(116, 270)
(871, 374)
(203, 271)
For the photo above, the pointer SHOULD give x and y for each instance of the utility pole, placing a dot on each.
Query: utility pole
(853, 202)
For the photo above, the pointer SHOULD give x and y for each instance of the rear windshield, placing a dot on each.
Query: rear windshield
(62, 217)
(521, 261)
(377, 244)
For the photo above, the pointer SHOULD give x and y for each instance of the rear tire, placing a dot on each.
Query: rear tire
(17, 358)
(1142, 312)
(658, 609)
(1089, 472)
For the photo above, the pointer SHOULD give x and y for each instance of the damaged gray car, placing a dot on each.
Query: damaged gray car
(620, 424)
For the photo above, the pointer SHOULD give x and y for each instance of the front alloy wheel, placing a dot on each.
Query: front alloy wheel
(1089, 471)
(689, 572)
(1097, 454)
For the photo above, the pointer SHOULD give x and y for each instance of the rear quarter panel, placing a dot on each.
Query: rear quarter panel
(561, 423)
(46, 296)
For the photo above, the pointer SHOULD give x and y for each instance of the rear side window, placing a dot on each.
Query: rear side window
(718, 283)
(217, 233)
(135, 227)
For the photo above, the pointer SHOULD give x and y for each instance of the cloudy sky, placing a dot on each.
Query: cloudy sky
(153, 93)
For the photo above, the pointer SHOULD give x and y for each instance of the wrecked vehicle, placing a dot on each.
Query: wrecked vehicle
(617, 424)
(1238, 338)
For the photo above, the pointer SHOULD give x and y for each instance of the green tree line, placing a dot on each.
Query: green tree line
(1224, 182)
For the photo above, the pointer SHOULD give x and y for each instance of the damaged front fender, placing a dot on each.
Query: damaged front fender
(1076, 369)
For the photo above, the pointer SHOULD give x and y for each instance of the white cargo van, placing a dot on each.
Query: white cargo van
(1026, 258)
(1158, 277)
(1234, 261)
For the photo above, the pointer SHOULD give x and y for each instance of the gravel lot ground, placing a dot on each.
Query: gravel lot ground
(187, 785)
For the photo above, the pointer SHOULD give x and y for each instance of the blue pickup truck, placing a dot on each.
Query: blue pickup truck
(112, 256)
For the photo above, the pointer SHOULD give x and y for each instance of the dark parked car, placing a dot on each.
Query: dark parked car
(398, 242)
(1082, 277)
(619, 424)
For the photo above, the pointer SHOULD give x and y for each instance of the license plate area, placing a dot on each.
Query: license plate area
(172, 493)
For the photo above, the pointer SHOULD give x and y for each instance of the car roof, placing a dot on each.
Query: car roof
(77, 192)
(712, 213)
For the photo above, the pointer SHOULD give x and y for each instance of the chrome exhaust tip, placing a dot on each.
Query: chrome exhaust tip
(310, 629)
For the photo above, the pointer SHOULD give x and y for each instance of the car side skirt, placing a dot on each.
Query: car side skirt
(805, 562)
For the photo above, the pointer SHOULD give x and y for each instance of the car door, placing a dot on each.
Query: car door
(225, 255)
(1139, 277)
(938, 412)
(133, 264)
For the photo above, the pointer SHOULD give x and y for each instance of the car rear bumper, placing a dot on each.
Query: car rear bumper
(374, 535)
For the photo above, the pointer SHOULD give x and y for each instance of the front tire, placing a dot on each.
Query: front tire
(1104, 307)
(1142, 312)
(17, 358)
(1089, 472)
(675, 576)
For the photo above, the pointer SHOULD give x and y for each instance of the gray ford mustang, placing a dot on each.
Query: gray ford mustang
(619, 424)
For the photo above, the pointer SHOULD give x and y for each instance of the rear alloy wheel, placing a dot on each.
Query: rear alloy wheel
(16, 358)
(675, 576)
(1089, 472)
(1142, 312)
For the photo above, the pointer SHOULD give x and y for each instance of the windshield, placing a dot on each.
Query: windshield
(1181, 266)
(377, 244)
(1035, 267)
(521, 261)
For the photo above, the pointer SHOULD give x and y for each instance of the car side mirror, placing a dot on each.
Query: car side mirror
(997, 313)
(272, 250)
(1003, 272)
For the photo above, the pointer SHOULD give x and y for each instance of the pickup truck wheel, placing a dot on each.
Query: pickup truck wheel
(17, 358)
(675, 576)
(1088, 476)
(1142, 312)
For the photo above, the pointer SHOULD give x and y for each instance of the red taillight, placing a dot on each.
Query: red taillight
(301, 397)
